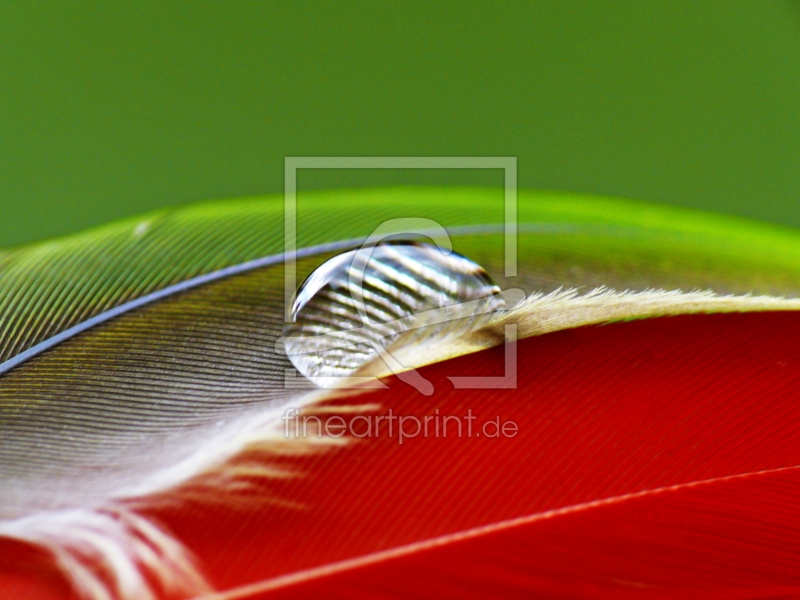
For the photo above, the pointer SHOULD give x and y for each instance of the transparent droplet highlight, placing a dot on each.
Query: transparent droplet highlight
(353, 307)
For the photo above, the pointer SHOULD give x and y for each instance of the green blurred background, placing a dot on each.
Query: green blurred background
(114, 108)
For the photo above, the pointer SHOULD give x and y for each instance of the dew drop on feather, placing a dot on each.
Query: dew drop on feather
(357, 304)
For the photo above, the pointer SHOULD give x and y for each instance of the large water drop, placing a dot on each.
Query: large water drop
(357, 304)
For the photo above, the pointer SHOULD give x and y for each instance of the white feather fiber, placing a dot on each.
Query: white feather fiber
(111, 553)
(565, 309)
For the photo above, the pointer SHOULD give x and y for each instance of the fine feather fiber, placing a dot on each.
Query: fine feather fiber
(141, 379)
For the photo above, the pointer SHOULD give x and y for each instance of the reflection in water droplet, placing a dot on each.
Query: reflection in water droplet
(360, 302)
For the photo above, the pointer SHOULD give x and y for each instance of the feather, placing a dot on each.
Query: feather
(140, 379)
(656, 458)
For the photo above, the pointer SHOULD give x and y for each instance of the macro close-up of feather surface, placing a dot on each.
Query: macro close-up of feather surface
(295, 305)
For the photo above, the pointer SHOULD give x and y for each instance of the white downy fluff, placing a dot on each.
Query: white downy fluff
(111, 553)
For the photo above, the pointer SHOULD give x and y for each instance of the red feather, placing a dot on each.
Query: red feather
(654, 458)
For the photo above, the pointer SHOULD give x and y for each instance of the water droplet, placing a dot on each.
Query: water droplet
(357, 304)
